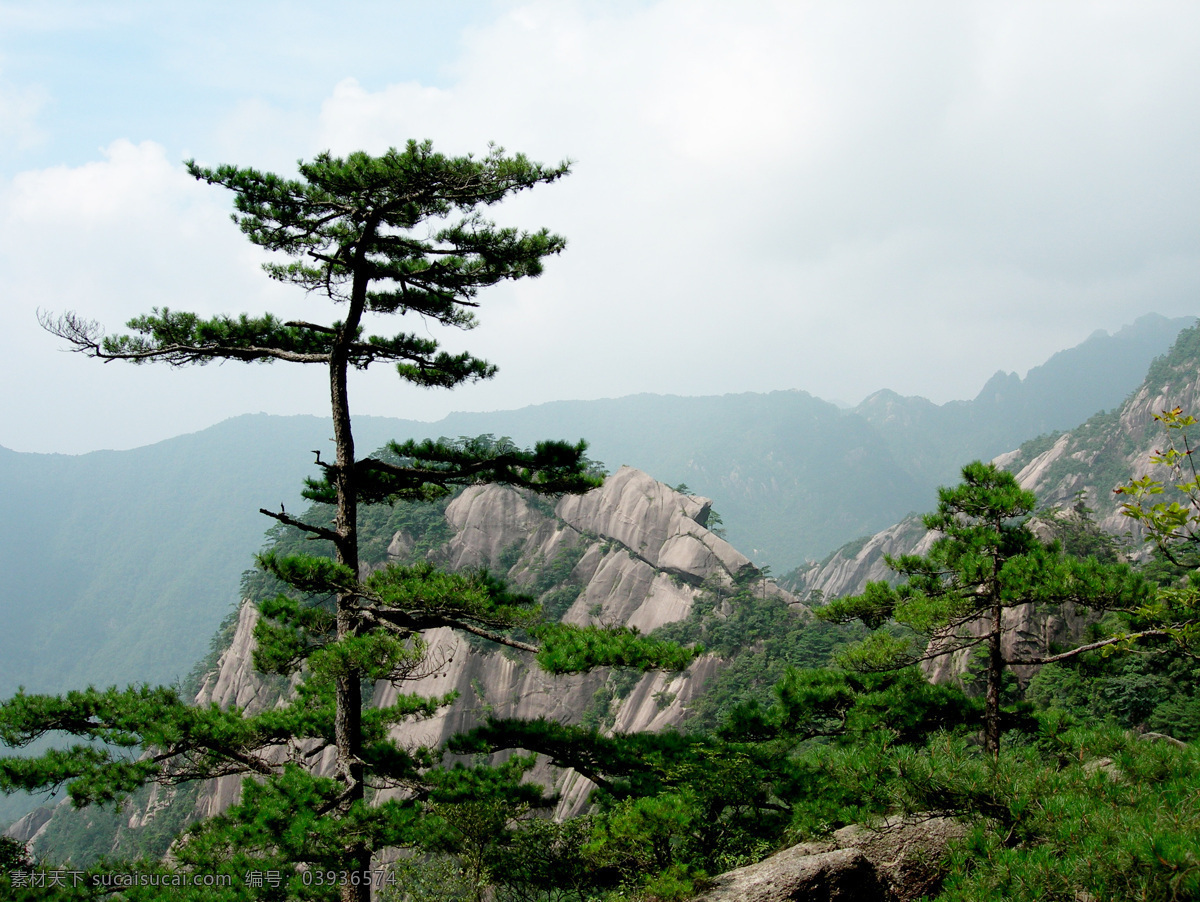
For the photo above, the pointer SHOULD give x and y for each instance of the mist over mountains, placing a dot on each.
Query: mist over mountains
(120, 565)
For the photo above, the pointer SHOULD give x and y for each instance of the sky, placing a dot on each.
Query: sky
(836, 197)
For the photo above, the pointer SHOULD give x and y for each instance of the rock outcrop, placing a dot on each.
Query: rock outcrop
(1088, 462)
(897, 860)
(804, 873)
(850, 568)
(632, 552)
(31, 826)
(641, 555)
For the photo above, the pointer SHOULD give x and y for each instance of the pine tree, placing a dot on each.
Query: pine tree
(985, 559)
(400, 234)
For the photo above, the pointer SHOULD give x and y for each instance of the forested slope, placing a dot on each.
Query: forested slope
(1091, 792)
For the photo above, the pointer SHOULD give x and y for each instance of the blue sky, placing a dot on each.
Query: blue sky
(835, 197)
(159, 72)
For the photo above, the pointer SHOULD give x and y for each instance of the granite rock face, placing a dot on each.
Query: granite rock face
(896, 860)
(804, 873)
(1086, 463)
(632, 552)
(641, 555)
(907, 853)
(30, 827)
(850, 568)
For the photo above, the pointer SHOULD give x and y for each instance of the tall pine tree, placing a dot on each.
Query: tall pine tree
(399, 234)
(984, 561)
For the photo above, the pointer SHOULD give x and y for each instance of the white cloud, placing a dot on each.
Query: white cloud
(111, 239)
(794, 195)
(833, 197)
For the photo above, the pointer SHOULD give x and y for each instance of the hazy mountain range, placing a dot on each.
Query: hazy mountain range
(120, 565)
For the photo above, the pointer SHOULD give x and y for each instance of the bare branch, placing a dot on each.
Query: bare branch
(494, 637)
(300, 324)
(1092, 646)
(323, 532)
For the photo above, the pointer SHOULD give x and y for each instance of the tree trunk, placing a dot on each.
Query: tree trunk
(348, 690)
(995, 669)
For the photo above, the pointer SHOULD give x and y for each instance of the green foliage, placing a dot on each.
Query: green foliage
(1181, 358)
(13, 855)
(1086, 812)
(1078, 534)
(1158, 690)
(1168, 523)
(434, 878)
(759, 637)
(544, 861)
(1100, 453)
(790, 754)
(396, 234)
(674, 807)
(431, 470)
(985, 559)
(1034, 447)
(421, 526)
(84, 837)
(571, 649)
(1172, 526)
(552, 583)
(638, 835)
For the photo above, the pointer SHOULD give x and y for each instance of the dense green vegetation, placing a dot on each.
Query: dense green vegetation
(760, 636)
(397, 234)
(985, 561)
(119, 566)
(1092, 792)
(785, 749)
(1084, 798)
(1073, 804)
(1064, 809)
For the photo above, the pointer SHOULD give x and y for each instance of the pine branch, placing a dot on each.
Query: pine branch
(1092, 646)
(403, 622)
(287, 520)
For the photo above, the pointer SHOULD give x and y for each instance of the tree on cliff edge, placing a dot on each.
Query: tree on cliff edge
(984, 560)
(397, 234)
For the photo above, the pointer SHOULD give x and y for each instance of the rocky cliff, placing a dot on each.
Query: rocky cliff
(1064, 469)
(1086, 464)
(1110, 448)
(632, 552)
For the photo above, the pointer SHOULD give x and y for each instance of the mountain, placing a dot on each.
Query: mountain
(120, 565)
(1066, 469)
(633, 552)
(1085, 463)
(1097, 375)
(1110, 448)
(784, 468)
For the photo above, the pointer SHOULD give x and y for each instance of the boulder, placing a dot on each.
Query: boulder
(806, 873)
(908, 853)
(898, 859)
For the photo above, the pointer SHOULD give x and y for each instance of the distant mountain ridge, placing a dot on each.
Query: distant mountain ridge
(1096, 375)
(120, 565)
(1083, 463)
(1070, 472)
